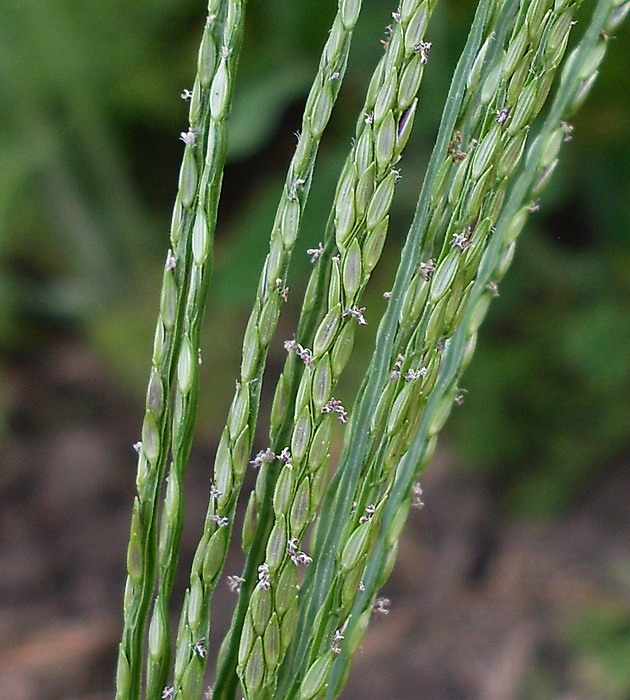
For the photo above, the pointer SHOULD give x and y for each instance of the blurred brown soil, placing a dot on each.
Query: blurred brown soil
(478, 601)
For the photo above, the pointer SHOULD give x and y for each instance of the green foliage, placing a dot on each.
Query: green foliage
(599, 641)
(559, 433)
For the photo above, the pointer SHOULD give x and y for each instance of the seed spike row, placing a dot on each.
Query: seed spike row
(206, 147)
(320, 636)
(330, 346)
(238, 436)
(155, 446)
(464, 329)
(444, 280)
(467, 331)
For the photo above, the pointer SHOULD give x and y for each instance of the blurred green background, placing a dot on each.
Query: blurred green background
(89, 155)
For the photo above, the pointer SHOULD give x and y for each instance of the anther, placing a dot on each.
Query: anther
(568, 131)
(315, 253)
(423, 48)
(200, 648)
(234, 583)
(335, 406)
(303, 353)
(263, 577)
(262, 457)
(297, 557)
(493, 288)
(502, 115)
(412, 374)
(416, 496)
(369, 512)
(356, 313)
(395, 375)
(285, 456)
(427, 269)
(461, 240)
(381, 606)
(218, 520)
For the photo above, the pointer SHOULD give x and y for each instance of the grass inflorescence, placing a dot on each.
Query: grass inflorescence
(483, 178)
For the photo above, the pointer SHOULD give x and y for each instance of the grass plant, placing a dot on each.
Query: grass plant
(497, 145)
